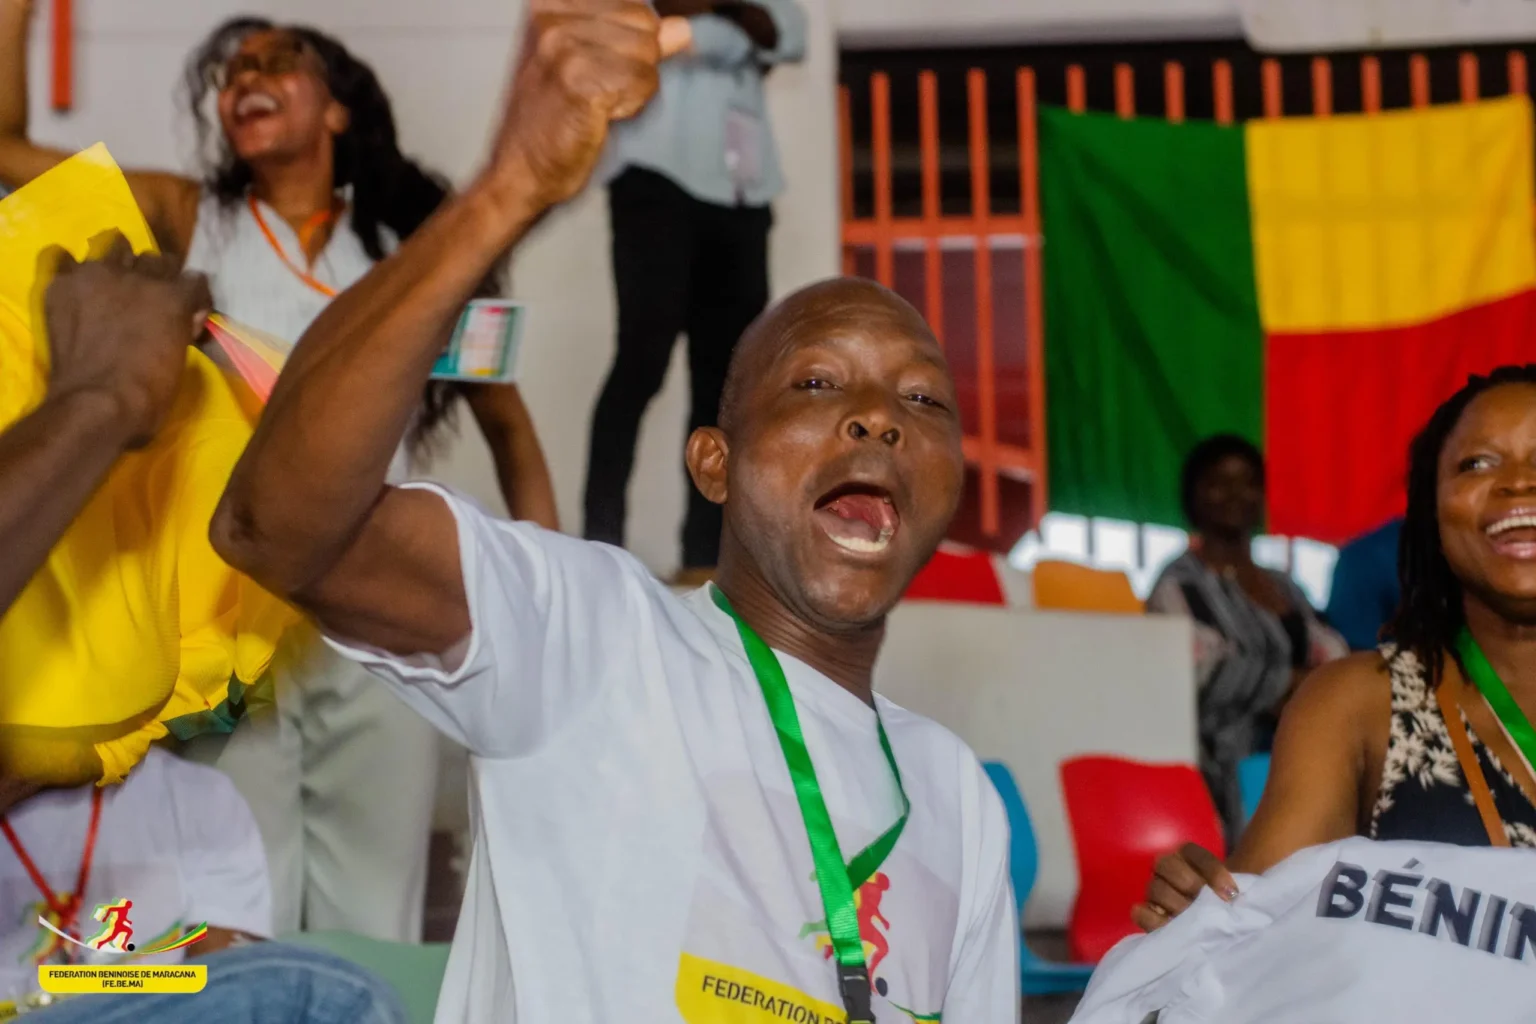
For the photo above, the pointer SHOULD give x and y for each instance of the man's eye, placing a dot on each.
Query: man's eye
(815, 384)
(922, 399)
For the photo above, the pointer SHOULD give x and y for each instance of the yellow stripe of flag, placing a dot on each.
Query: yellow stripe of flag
(1370, 221)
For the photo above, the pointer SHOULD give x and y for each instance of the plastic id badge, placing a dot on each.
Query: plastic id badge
(484, 344)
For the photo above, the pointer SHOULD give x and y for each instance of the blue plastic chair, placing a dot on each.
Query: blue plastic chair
(1252, 776)
(1040, 977)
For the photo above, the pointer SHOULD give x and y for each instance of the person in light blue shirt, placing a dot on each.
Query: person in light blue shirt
(690, 183)
(1366, 591)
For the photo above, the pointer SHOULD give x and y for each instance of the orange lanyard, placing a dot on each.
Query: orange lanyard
(64, 906)
(310, 227)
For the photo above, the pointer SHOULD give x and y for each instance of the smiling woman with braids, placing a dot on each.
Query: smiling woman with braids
(305, 189)
(1429, 739)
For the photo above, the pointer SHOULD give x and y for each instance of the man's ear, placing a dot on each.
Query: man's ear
(707, 456)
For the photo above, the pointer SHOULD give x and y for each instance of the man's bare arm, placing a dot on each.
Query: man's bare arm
(307, 512)
(50, 464)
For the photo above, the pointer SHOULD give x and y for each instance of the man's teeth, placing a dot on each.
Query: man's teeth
(1514, 522)
(862, 546)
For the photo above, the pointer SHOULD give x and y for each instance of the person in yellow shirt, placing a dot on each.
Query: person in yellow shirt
(119, 329)
(119, 625)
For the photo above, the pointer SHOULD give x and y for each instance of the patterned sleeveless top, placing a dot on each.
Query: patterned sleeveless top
(1423, 795)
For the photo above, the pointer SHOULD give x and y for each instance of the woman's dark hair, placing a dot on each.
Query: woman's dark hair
(1204, 456)
(389, 190)
(1431, 614)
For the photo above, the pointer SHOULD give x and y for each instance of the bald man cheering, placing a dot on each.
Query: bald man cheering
(685, 809)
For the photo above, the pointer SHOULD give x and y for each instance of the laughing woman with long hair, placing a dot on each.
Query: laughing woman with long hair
(305, 188)
(1428, 739)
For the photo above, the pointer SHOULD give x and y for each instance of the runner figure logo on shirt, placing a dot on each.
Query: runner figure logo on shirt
(866, 900)
(116, 932)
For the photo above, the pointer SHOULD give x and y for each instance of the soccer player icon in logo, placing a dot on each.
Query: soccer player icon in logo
(867, 901)
(116, 930)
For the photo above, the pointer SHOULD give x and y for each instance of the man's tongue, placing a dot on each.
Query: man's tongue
(860, 517)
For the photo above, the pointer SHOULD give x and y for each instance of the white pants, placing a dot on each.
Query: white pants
(342, 778)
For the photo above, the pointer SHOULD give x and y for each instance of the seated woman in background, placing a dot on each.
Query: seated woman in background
(1255, 633)
(1366, 747)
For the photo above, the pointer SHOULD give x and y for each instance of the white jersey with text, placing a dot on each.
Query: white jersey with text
(1406, 932)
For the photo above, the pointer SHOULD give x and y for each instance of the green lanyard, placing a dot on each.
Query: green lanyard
(837, 883)
(1475, 662)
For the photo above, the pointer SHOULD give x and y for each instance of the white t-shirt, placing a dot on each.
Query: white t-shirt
(1400, 932)
(639, 853)
(175, 838)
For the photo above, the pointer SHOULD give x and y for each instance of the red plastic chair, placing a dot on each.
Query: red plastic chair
(967, 576)
(1124, 816)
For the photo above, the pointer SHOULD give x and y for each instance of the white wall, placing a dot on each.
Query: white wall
(875, 23)
(1031, 689)
(1309, 25)
(444, 65)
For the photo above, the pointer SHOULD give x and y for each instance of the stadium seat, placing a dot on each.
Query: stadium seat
(967, 576)
(1039, 977)
(1068, 587)
(1252, 777)
(1124, 815)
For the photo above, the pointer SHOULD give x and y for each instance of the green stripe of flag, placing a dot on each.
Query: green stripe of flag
(1152, 337)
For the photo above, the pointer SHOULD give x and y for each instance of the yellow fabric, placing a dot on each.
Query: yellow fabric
(133, 621)
(1067, 587)
(1364, 222)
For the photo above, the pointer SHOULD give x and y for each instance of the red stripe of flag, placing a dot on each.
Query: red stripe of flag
(1341, 408)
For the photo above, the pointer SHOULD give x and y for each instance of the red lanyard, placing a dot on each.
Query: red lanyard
(310, 227)
(64, 906)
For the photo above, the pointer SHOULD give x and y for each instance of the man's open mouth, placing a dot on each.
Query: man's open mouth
(858, 517)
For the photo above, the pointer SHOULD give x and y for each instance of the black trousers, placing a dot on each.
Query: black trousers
(681, 266)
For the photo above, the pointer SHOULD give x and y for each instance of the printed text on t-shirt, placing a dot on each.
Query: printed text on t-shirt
(1402, 899)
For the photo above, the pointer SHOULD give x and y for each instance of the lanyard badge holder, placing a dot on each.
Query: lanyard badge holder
(837, 882)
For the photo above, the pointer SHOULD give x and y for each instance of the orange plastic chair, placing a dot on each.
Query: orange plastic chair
(1068, 587)
(1124, 815)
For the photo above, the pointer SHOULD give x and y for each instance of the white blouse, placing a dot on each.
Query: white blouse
(252, 285)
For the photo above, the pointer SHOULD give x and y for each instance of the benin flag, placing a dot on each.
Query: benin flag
(1317, 285)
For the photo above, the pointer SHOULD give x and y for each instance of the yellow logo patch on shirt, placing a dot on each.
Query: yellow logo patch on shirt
(715, 993)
